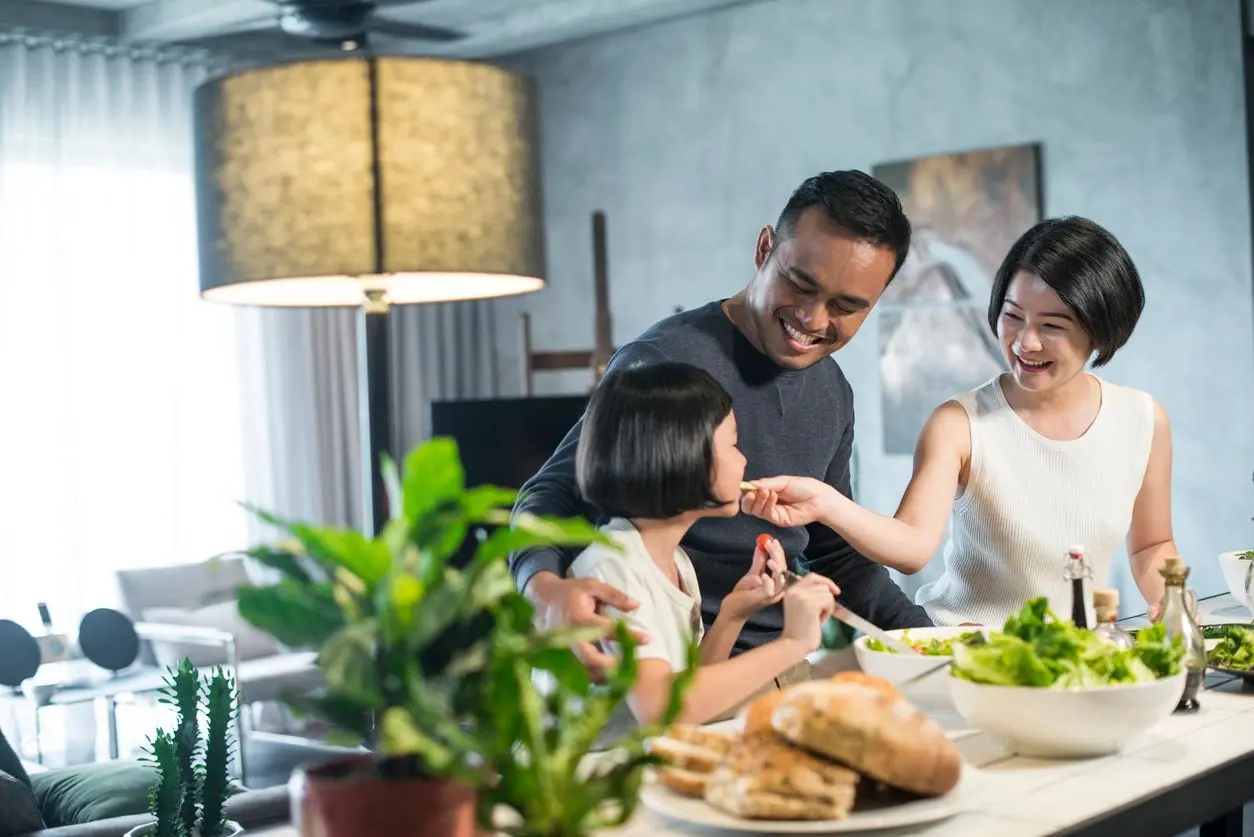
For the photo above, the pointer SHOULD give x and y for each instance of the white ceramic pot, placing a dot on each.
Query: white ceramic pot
(932, 692)
(1238, 573)
(1067, 723)
(232, 829)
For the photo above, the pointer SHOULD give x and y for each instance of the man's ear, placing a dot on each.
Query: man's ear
(766, 241)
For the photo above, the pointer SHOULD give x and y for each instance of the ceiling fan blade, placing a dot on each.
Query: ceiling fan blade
(415, 31)
(258, 42)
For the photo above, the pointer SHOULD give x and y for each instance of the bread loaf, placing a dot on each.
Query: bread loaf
(877, 733)
(764, 777)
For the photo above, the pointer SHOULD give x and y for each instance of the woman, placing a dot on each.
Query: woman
(1038, 459)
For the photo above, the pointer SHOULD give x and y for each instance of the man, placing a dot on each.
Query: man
(837, 244)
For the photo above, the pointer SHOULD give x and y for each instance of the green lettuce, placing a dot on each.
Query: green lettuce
(1036, 648)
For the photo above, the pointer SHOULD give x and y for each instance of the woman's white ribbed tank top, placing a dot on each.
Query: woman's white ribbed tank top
(1028, 499)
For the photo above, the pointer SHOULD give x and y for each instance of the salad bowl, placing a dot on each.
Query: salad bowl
(935, 646)
(1069, 722)
(1049, 689)
(1238, 571)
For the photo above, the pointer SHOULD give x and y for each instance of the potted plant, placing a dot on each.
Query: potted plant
(188, 798)
(430, 666)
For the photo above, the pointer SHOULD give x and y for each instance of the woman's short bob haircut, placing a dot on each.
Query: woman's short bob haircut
(647, 445)
(1089, 270)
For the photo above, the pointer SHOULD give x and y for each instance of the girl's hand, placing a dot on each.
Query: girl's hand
(763, 585)
(807, 605)
(789, 501)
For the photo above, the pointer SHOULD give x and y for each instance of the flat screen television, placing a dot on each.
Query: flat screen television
(504, 441)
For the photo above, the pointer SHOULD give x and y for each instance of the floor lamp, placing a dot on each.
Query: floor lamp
(366, 182)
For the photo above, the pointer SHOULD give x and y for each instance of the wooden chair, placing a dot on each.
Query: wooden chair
(594, 360)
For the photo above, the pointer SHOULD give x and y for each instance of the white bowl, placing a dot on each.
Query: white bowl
(1235, 571)
(1067, 723)
(932, 692)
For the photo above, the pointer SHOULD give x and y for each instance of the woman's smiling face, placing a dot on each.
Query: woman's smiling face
(1041, 340)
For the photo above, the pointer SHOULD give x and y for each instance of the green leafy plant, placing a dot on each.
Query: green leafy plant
(430, 665)
(189, 795)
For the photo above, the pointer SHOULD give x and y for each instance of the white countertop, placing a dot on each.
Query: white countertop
(1027, 797)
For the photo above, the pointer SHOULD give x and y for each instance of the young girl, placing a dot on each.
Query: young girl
(658, 452)
(1040, 458)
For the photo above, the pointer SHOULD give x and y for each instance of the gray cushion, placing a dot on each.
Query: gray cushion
(19, 810)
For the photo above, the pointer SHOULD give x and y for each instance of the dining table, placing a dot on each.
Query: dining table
(1191, 770)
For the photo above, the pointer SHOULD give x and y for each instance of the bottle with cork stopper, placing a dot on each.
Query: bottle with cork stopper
(1106, 605)
(1177, 617)
(1076, 570)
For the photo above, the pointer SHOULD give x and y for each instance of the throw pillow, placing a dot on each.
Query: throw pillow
(10, 763)
(97, 791)
(19, 810)
(250, 642)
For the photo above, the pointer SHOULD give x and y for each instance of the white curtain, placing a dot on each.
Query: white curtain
(299, 390)
(120, 441)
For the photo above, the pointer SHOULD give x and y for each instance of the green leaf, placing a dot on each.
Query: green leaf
(282, 560)
(478, 501)
(349, 716)
(570, 673)
(399, 735)
(296, 615)
(505, 541)
(392, 487)
(367, 559)
(432, 477)
(348, 661)
(404, 594)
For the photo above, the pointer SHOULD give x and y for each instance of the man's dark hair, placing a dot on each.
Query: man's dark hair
(855, 202)
(647, 445)
(1089, 270)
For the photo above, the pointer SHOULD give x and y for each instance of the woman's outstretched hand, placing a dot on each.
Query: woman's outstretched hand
(789, 501)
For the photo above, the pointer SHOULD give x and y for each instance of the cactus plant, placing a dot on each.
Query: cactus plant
(188, 797)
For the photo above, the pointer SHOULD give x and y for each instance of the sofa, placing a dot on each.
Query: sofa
(103, 799)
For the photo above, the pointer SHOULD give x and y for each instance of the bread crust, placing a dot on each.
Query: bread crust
(758, 714)
(876, 733)
(684, 754)
(716, 740)
(764, 777)
(684, 782)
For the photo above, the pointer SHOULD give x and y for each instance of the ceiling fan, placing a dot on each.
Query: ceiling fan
(325, 23)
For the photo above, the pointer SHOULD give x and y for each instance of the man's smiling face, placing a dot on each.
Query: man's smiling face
(814, 289)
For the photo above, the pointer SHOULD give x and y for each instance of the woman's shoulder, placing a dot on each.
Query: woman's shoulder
(1129, 399)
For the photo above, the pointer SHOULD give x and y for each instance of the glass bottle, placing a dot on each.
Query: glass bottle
(1106, 604)
(1076, 570)
(1178, 617)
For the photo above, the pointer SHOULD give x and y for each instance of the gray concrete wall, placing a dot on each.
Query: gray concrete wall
(691, 134)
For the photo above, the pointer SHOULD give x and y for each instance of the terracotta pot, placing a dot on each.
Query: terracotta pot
(349, 798)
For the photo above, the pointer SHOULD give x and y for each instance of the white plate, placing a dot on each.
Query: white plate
(663, 801)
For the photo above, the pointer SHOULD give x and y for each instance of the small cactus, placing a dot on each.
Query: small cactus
(220, 708)
(188, 798)
(166, 792)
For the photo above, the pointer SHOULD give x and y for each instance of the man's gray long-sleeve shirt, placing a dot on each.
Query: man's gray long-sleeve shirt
(790, 422)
